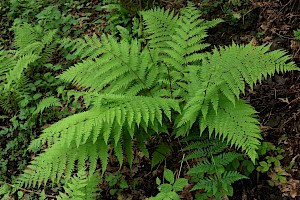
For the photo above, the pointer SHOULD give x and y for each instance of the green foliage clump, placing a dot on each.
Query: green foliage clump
(168, 84)
(33, 48)
(297, 34)
(116, 15)
(46, 103)
(24, 81)
(116, 182)
(211, 172)
(168, 191)
(271, 164)
(80, 187)
(28, 88)
(162, 151)
(134, 6)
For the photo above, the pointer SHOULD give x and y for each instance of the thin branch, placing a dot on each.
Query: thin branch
(180, 166)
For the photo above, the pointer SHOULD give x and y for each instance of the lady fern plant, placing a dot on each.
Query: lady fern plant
(167, 84)
(33, 48)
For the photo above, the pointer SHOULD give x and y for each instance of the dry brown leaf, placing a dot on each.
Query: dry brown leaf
(291, 188)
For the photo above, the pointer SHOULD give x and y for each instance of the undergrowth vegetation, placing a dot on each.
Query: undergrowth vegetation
(147, 75)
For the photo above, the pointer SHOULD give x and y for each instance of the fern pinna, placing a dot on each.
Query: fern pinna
(167, 84)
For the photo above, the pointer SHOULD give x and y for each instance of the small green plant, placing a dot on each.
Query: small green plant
(65, 16)
(297, 34)
(237, 2)
(232, 10)
(51, 17)
(116, 182)
(242, 165)
(168, 191)
(7, 191)
(211, 174)
(259, 34)
(271, 163)
(116, 15)
(80, 187)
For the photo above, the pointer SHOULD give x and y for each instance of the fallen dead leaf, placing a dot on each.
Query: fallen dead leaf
(291, 188)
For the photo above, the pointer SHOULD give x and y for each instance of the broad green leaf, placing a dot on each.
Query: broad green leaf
(158, 181)
(180, 184)
(169, 176)
(165, 188)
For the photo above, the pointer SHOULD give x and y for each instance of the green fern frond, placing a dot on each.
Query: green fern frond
(87, 47)
(58, 161)
(33, 40)
(229, 76)
(118, 149)
(215, 162)
(121, 69)
(25, 35)
(212, 183)
(180, 41)
(47, 103)
(103, 154)
(109, 110)
(7, 62)
(127, 141)
(80, 187)
(220, 75)
(162, 151)
(210, 148)
(12, 88)
(159, 24)
(15, 74)
(48, 38)
(33, 48)
(109, 116)
(211, 168)
(6, 106)
(230, 177)
(243, 64)
(238, 128)
(209, 183)
(118, 110)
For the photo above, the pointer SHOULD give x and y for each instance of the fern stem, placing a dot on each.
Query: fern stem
(178, 175)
